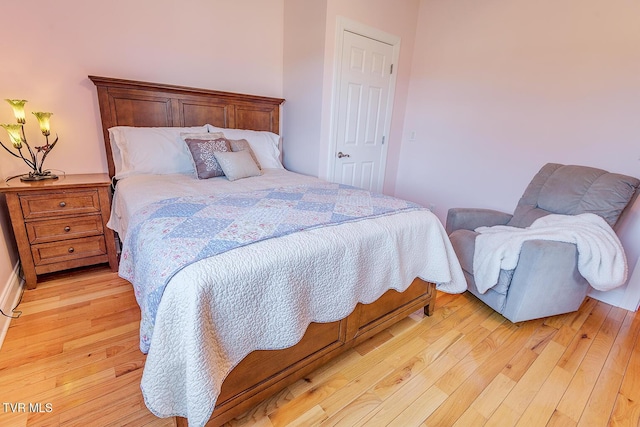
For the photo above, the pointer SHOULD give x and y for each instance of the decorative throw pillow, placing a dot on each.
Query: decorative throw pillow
(203, 153)
(237, 164)
(242, 145)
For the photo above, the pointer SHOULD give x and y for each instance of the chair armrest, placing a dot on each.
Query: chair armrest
(470, 218)
(546, 281)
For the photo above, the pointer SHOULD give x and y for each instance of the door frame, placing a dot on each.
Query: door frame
(345, 24)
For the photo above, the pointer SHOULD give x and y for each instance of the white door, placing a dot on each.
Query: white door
(363, 111)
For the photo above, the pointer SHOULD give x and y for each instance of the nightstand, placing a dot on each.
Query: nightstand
(61, 224)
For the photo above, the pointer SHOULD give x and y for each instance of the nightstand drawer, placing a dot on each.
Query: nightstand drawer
(51, 230)
(55, 204)
(66, 250)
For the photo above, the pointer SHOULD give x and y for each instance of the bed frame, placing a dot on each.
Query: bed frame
(262, 373)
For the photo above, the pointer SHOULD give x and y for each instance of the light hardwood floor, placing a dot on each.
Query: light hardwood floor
(75, 351)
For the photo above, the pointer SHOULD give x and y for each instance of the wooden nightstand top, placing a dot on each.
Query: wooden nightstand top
(63, 181)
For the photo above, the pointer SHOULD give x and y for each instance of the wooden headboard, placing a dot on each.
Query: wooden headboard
(143, 104)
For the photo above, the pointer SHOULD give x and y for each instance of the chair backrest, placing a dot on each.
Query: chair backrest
(572, 190)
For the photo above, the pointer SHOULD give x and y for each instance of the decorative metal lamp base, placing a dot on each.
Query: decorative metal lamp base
(38, 177)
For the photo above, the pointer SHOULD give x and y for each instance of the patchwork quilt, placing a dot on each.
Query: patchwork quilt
(166, 236)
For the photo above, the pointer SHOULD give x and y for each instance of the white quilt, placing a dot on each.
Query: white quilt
(263, 296)
(601, 258)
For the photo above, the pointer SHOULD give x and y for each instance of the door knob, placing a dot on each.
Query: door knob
(341, 155)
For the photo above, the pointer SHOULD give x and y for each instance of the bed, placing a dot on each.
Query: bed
(232, 327)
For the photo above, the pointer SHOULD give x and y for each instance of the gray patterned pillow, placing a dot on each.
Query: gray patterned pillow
(237, 164)
(243, 145)
(202, 151)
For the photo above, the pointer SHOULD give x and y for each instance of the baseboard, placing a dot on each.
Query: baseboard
(9, 296)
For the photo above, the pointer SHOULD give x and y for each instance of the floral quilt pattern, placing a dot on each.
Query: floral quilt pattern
(166, 236)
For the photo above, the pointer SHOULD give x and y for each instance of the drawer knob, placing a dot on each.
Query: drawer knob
(71, 250)
(63, 204)
(67, 229)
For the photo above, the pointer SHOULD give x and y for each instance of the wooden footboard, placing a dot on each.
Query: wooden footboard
(263, 373)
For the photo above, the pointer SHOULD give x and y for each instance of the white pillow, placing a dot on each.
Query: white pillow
(151, 150)
(263, 143)
(116, 155)
(201, 135)
(237, 164)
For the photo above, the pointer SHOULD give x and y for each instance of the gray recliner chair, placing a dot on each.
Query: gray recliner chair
(546, 280)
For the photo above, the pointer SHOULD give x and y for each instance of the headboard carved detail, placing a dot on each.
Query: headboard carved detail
(144, 104)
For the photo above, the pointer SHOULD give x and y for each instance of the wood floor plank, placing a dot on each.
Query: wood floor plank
(545, 401)
(396, 403)
(456, 376)
(558, 419)
(502, 417)
(58, 395)
(387, 384)
(47, 367)
(528, 386)
(493, 395)
(421, 408)
(441, 361)
(109, 414)
(577, 394)
(525, 357)
(55, 303)
(471, 417)
(505, 345)
(350, 392)
(336, 366)
(403, 326)
(295, 409)
(583, 338)
(76, 347)
(602, 399)
(352, 414)
(313, 416)
(100, 335)
(353, 380)
(92, 400)
(14, 419)
(258, 415)
(626, 411)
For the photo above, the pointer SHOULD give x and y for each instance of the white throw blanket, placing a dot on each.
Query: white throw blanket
(601, 258)
(263, 296)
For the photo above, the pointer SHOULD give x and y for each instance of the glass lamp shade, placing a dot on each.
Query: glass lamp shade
(43, 120)
(34, 158)
(18, 108)
(15, 134)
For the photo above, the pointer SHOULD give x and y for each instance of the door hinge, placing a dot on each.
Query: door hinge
(382, 139)
(391, 70)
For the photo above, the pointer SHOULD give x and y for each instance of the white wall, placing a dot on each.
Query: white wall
(51, 47)
(310, 32)
(304, 45)
(499, 88)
